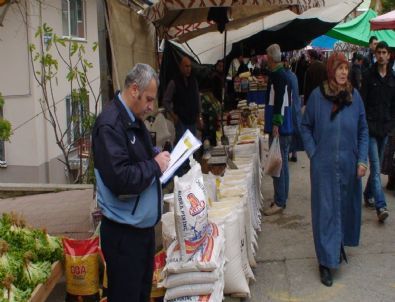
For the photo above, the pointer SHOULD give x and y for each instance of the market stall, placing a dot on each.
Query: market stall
(386, 21)
(358, 31)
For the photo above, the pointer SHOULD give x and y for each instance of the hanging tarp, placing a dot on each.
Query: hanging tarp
(357, 31)
(386, 21)
(289, 30)
(132, 40)
(175, 18)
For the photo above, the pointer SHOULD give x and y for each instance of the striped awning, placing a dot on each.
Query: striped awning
(175, 18)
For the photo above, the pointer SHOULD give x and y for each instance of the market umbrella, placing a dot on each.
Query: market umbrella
(323, 42)
(357, 31)
(386, 21)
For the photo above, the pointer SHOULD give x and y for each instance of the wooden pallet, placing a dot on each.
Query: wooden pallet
(42, 291)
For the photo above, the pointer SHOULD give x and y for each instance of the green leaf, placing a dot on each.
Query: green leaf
(5, 129)
(32, 47)
(82, 48)
(61, 42)
(39, 32)
(70, 75)
(87, 63)
(95, 45)
(74, 48)
(1, 101)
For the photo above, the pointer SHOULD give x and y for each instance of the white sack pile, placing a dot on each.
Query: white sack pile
(195, 260)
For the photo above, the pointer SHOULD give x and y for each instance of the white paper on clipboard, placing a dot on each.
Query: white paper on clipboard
(185, 147)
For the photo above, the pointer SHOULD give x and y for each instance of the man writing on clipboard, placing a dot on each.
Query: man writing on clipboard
(127, 170)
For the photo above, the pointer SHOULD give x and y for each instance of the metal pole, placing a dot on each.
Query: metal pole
(224, 139)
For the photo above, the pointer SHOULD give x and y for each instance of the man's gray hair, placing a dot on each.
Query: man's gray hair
(274, 52)
(141, 74)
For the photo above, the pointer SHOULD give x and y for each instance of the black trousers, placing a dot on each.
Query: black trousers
(129, 253)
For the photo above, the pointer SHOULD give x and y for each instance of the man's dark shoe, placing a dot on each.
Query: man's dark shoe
(382, 214)
(294, 159)
(326, 276)
(369, 203)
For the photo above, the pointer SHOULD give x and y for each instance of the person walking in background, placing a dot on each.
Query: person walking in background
(182, 100)
(296, 142)
(278, 123)
(356, 71)
(300, 71)
(218, 80)
(335, 136)
(127, 170)
(315, 74)
(371, 58)
(378, 94)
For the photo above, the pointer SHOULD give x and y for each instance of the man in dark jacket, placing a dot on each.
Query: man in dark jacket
(182, 100)
(127, 170)
(378, 93)
(315, 74)
(371, 58)
(356, 71)
(278, 123)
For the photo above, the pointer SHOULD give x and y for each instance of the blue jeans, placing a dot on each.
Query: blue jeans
(281, 184)
(373, 186)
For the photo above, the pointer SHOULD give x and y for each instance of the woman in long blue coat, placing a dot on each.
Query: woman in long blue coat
(335, 136)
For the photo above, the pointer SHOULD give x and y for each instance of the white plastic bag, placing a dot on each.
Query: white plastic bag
(274, 161)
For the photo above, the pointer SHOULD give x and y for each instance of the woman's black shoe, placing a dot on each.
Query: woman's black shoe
(326, 276)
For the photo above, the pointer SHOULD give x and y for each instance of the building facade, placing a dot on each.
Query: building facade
(31, 155)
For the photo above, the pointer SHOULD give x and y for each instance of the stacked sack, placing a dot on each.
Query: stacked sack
(195, 260)
(247, 155)
(231, 213)
(238, 210)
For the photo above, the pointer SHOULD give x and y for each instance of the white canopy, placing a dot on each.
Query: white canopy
(209, 47)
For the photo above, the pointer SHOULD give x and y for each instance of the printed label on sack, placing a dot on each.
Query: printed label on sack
(197, 206)
(81, 274)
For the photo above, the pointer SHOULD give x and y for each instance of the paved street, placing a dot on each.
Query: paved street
(287, 270)
(287, 267)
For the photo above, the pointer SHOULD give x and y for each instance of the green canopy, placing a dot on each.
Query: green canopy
(357, 31)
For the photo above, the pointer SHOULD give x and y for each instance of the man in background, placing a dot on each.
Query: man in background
(182, 100)
(278, 123)
(378, 94)
(315, 74)
(356, 71)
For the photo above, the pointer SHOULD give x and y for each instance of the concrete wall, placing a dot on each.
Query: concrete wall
(32, 151)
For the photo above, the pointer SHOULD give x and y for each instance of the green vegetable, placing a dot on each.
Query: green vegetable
(48, 248)
(26, 256)
(9, 264)
(10, 293)
(34, 273)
